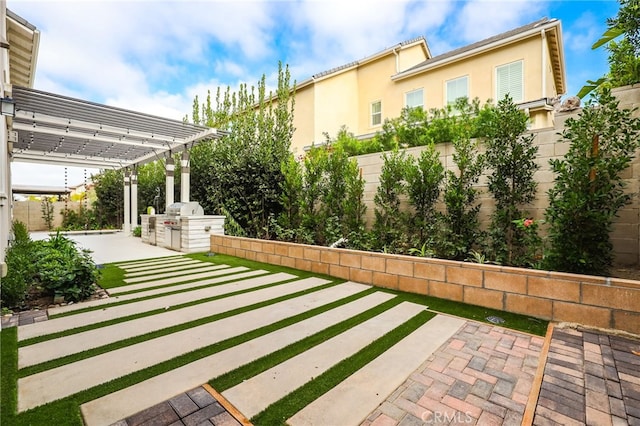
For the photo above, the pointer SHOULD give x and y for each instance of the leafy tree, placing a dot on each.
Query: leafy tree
(390, 220)
(624, 57)
(290, 218)
(241, 173)
(110, 197)
(460, 230)
(151, 186)
(424, 178)
(510, 157)
(588, 189)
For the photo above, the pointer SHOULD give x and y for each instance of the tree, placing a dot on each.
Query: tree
(588, 188)
(624, 57)
(241, 173)
(460, 230)
(110, 197)
(151, 186)
(510, 157)
(424, 178)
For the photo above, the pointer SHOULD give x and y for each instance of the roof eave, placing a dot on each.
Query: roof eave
(463, 55)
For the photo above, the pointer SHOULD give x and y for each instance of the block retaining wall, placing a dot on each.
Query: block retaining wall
(595, 301)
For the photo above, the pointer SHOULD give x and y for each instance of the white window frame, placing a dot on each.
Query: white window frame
(372, 114)
(455, 80)
(500, 94)
(411, 92)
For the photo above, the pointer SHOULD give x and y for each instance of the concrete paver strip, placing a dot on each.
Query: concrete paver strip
(181, 278)
(36, 389)
(125, 402)
(237, 273)
(205, 267)
(67, 345)
(160, 265)
(182, 266)
(73, 321)
(144, 262)
(353, 399)
(257, 393)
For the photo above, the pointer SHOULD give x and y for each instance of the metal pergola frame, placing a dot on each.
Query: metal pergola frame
(55, 129)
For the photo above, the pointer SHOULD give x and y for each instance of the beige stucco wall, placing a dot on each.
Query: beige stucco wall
(410, 56)
(336, 103)
(626, 232)
(303, 119)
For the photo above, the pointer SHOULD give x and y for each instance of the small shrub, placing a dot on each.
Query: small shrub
(46, 206)
(137, 231)
(63, 269)
(19, 258)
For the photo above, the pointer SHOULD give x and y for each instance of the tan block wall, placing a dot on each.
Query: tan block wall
(626, 231)
(30, 213)
(595, 301)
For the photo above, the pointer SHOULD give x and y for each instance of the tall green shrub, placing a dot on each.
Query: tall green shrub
(460, 230)
(20, 263)
(424, 179)
(510, 158)
(390, 220)
(109, 186)
(241, 173)
(588, 187)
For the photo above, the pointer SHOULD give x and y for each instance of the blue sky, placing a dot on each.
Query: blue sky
(155, 56)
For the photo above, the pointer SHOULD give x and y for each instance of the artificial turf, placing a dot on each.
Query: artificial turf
(66, 411)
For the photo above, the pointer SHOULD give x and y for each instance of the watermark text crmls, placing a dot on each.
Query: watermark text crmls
(444, 418)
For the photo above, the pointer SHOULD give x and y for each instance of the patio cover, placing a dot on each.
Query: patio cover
(60, 130)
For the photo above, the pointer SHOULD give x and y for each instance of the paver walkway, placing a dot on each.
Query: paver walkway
(590, 377)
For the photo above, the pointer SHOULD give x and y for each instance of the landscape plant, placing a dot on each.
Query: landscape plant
(589, 188)
(460, 231)
(14, 288)
(389, 228)
(241, 172)
(424, 178)
(108, 185)
(47, 208)
(510, 159)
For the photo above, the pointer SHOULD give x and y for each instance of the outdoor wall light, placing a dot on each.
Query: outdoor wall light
(8, 107)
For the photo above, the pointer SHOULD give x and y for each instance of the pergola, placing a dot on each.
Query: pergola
(59, 130)
(54, 129)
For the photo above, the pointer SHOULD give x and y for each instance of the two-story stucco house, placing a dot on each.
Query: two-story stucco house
(527, 62)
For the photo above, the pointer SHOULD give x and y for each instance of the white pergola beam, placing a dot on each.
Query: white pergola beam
(68, 160)
(96, 128)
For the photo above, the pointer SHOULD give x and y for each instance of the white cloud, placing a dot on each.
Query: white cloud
(583, 32)
(479, 19)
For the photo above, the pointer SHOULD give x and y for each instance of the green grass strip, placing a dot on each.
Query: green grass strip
(66, 411)
(119, 320)
(232, 378)
(230, 280)
(278, 412)
(8, 373)
(478, 313)
(47, 365)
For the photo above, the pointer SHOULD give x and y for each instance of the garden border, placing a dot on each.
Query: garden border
(603, 302)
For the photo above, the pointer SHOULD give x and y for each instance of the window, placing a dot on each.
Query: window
(414, 99)
(457, 88)
(509, 79)
(376, 113)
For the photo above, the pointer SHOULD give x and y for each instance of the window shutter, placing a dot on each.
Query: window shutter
(509, 80)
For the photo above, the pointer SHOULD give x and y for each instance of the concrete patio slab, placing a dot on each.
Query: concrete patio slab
(257, 393)
(73, 321)
(157, 265)
(151, 262)
(67, 345)
(352, 400)
(36, 389)
(120, 404)
(204, 267)
(162, 282)
(116, 247)
(236, 273)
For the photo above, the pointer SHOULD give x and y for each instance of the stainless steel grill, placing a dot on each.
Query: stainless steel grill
(173, 231)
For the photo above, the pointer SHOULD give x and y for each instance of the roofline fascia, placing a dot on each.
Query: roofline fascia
(463, 55)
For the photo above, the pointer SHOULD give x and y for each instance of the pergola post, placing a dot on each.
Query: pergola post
(170, 168)
(134, 198)
(126, 224)
(185, 177)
